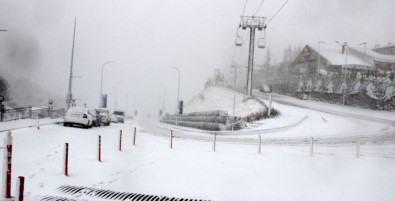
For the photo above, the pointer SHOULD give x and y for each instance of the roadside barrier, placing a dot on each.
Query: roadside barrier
(260, 144)
(134, 137)
(171, 139)
(120, 140)
(66, 159)
(20, 186)
(7, 166)
(99, 148)
(214, 142)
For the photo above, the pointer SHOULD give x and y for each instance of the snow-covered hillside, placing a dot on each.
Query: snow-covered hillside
(221, 98)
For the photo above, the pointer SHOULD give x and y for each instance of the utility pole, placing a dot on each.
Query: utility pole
(235, 66)
(319, 56)
(345, 51)
(364, 59)
(251, 22)
(69, 94)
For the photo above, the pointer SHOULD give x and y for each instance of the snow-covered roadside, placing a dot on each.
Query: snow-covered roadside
(23, 123)
(193, 170)
(322, 106)
(221, 98)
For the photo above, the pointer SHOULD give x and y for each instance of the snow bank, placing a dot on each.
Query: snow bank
(220, 98)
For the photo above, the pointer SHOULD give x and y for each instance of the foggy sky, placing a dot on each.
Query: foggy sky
(144, 38)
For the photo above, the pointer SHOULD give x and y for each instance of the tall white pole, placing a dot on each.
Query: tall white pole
(69, 94)
(178, 92)
(101, 83)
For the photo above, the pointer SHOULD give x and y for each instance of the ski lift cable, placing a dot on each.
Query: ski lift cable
(277, 12)
(245, 5)
(258, 8)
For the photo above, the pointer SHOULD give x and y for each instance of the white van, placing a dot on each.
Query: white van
(105, 116)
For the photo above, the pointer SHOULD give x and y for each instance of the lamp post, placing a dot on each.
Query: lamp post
(101, 82)
(345, 47)
(116, 94)
(164, 97)
(319, 56)
(364, 56)
(178, 92)
(69, 93)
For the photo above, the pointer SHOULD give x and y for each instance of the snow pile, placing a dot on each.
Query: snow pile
(220, 98)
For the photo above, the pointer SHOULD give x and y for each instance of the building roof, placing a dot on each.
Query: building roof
(334, 55)
(374, 55)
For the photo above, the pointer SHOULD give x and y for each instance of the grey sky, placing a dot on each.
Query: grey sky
(145, 37)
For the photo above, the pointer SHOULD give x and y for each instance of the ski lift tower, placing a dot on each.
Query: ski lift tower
(251, 22)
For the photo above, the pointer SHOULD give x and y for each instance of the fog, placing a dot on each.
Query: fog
(144, 38)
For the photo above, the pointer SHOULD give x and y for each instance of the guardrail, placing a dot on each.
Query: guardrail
(30, 113)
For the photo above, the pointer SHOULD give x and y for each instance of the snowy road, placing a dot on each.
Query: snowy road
(234, 172)
(298, 122)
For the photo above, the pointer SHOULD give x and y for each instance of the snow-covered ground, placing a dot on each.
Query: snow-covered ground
(234, 172)
(221, 98)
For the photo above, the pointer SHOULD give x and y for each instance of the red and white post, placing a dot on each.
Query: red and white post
(99, 148)
(171, 139)
(260, 145)
(214, 142)
(7, 166)
(120, 140)
(20, 186)
(134, 137)
(66, 159)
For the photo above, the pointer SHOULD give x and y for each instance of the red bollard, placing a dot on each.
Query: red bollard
(120, 140)
(99, 148)
(7, 167)
(134, 137)
(20, 186)
(66, 159)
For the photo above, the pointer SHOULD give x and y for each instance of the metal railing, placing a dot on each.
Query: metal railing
(30, 113)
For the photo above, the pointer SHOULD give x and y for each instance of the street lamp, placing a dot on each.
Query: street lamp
(364, 58)
(344, 45)
(101, 82)
(178, 92)
(164, 97)
(116, 94)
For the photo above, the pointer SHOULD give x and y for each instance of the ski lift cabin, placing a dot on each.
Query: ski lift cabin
(261, 43)
(239, 41)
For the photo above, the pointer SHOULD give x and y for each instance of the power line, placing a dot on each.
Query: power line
(245, 4)
(258, 7)
(277, 12)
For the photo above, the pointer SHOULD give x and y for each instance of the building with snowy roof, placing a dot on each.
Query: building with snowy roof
(335, 58)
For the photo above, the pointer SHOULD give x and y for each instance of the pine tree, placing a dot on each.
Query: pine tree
(4, 89)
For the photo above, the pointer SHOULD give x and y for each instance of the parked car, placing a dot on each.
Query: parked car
(96, 118)
(114, 118)
(78, 116)
(120, 116)
(105, 116)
